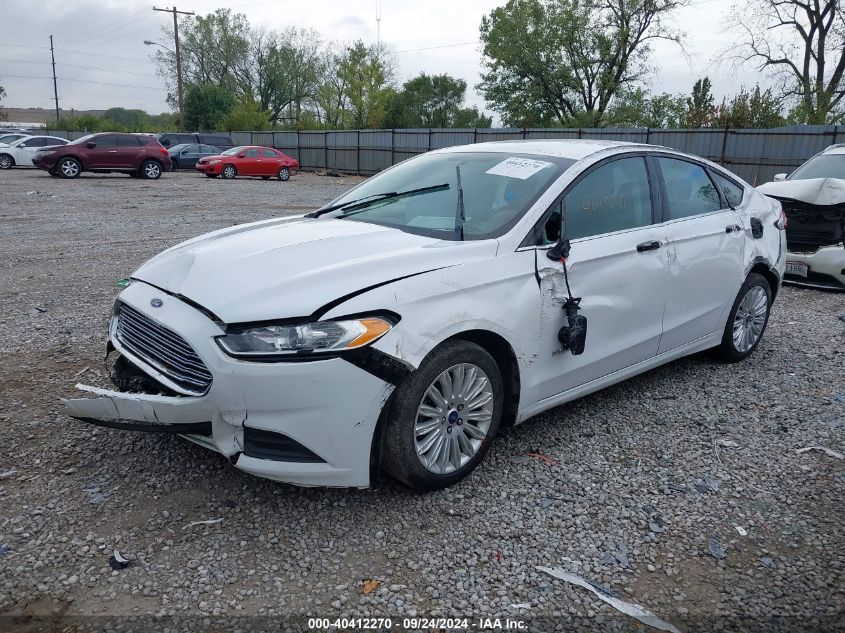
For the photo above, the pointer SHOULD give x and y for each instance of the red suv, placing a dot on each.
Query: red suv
(139, 155)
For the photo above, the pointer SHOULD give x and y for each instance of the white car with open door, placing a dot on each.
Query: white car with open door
(462, 291)
(20, 152)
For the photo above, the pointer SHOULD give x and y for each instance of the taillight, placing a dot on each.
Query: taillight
(162, 150)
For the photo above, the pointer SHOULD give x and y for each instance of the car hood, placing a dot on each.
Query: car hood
(291, 267)
(205, 159)
(815, 209)
(821, 191)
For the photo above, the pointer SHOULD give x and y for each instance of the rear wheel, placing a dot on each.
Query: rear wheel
(150, 170)
(229, 172)
(6, 161)
(443, 417)
(175, 164)
(747, 320)
(69, 167)
(284, 174)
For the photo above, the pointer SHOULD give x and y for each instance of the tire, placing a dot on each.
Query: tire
(150, 170)
(6, 161)
(175, 164)
(284, 174)
(747, 320)
(229, 172)
(69, 167)
(410, 429)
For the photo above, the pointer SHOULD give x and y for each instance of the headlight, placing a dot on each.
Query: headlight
(213, 162)
(321, 336)
(52, 151)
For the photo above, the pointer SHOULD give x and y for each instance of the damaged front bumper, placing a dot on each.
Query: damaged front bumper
(307, 423)
(823, 268)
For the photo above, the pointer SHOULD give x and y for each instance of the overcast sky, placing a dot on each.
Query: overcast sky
(102, 62)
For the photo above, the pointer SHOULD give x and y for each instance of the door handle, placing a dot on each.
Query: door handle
(733, 228)
(112, 151)
(648, 246)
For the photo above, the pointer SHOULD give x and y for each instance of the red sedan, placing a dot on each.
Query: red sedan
(249, 160)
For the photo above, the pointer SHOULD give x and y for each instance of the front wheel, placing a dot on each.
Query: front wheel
(443, 417)
(229, 172)
(6, 161)
(747, 320)
(69, 168)
(150, 170)
(284, 174)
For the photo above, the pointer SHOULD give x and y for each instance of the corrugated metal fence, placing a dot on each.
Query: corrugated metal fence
(755, 155)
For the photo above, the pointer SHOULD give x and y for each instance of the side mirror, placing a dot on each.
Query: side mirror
(779, 177)
(242, 154)
(572, 336)
(90, 145)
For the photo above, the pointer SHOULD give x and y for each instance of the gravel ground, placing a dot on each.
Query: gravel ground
(640, 483)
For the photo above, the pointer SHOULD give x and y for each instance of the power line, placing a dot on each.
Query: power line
(85, 81)
(431, 48)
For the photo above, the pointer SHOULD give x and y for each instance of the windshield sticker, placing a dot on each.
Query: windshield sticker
(522, 168)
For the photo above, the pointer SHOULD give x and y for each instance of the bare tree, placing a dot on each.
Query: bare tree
(802, 43)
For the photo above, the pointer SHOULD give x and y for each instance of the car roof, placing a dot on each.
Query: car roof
(575, 149)
(839, 148)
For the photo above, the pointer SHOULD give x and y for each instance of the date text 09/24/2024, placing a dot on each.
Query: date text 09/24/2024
(416, 623)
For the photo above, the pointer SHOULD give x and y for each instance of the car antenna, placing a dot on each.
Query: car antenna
(460, 217)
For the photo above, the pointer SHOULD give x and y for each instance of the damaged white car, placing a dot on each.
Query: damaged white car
(402, 326)
(813, 199)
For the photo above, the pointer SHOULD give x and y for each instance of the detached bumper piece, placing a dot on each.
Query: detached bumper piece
(277, 447)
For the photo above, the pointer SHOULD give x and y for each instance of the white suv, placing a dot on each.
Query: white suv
(459, 292)
(813, 198)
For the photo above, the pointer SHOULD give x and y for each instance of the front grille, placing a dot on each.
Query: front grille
(162, 349)
(811, 226)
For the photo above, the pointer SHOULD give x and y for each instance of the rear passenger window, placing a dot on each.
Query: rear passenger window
(107, 140)
(689, 190)
(269, 153)
(613, 197)
(731, 191)
(128, 141)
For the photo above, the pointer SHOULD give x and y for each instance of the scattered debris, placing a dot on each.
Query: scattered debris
(727, 443)
(657, 525)
(715, 547)
(621, 554)
(839, 397)
(209, 522)
(767, 562)
(842, 317)
(520, 459)
(742, 531)
(829, 451)
(545, 502)
(95, 495)
(117, 561)
(708, 484)
(370, 585)
(521, 605)
(82, 371)
(634, 610)
(542, 458)
(5, 549)
(7, 474)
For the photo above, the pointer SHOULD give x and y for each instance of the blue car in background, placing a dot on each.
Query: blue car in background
(186, 155)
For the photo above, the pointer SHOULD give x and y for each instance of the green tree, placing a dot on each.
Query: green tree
(756, 109)
(247, 115)
(207, 106)
(636, 108)
(700, 107)
(559, 61)
(3, 116)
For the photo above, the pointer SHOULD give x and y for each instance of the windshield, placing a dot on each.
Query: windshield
(824, 166)
(235, 150)
(10, 138)
(498, 190)
(178, 148)
(82, 139)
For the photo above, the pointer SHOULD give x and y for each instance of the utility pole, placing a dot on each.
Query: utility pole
(55, 87)
(178, 62)
(378, 25)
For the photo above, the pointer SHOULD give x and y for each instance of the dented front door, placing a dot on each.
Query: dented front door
(622, 290)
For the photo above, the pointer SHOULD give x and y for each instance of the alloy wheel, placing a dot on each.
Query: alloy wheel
(228, 171)
(152, 170)
(453, 418)
(284, 174)
(750, 319)
(5, 161)
(70, 168)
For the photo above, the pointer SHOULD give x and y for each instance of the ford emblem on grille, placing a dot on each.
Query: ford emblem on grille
(156, 303)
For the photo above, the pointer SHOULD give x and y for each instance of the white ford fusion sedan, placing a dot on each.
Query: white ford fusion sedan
(400, 327)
